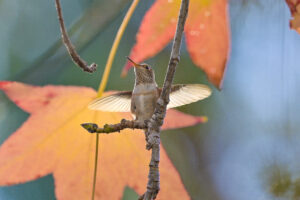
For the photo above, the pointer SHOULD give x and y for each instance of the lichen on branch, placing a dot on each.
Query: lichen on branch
(111, 128)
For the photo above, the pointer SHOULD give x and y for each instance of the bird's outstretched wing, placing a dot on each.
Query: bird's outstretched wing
(180, 95)
(183, 94)
(118, 102)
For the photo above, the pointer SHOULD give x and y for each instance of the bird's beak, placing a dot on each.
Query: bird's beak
(134, 63)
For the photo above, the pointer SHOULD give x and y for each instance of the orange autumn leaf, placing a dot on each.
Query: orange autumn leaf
(206, 31)
(51, 140)
(294, 6)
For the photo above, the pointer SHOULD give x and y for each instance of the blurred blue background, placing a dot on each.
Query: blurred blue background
(249, 148)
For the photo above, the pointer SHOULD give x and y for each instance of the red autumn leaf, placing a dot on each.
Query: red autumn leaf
(206, 31)
(294, 6)
(52, 141)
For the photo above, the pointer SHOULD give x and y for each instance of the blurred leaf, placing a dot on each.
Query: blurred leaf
(296, 189)
(52, 141)
(279, 180)
(42, 188)
(294, 6)
(129, 194)
(207, 34)
(281, 183)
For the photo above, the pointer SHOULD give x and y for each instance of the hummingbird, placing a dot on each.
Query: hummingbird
(141, 101)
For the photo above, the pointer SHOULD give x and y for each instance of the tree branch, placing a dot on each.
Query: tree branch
(110, 128)
(153, 133)
(65, 38)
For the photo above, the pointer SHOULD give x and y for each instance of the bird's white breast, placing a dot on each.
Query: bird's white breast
(145, 96)
(142, 88)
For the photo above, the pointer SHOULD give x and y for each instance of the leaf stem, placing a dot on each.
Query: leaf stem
(95, 167)
(114, 47)
(105, 76)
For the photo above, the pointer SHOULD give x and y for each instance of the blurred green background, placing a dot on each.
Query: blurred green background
(249, 148)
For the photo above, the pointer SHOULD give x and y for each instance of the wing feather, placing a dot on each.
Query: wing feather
(187, 93)
(118, 102)
(180, 95)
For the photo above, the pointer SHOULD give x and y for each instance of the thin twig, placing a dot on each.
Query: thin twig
(110, 128)
(157, 119)
(65, 38)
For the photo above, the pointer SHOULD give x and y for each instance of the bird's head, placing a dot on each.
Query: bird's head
(143, 73)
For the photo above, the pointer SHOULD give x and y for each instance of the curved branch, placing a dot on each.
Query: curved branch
(65, 38)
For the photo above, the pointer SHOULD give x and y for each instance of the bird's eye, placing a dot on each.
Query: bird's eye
(146, 67)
